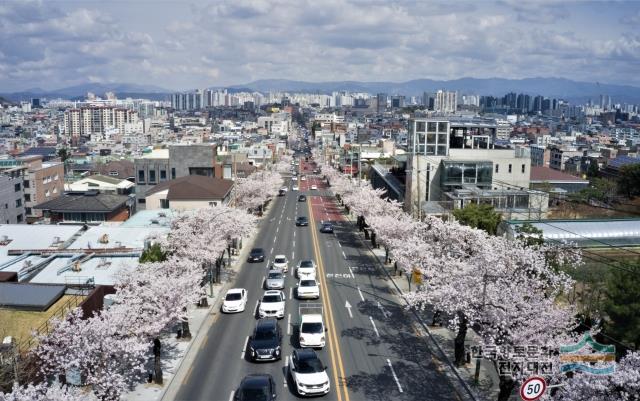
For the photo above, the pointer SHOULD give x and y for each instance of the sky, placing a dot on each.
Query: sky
(181, 45)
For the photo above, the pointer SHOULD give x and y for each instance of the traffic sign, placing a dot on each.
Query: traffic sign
(533, 388)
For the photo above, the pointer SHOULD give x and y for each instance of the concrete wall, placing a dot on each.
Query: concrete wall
(9, 212)
(181, 158)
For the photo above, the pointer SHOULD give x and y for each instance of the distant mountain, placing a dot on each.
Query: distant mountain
(122, 90)
(4, 101)
(552, 87)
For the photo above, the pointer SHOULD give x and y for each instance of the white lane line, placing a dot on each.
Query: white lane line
(344, 255)
(293, 255)
(231, 396)
(255, 310)
(290, 295)
(360, 292)
(288, 329)
(374, 326)
(339, 244)
(274, 241)
(351, 271)
(294, 243)
(272, 248)
(294, 234)
(393, 372)
(262, 282)
(244, 348)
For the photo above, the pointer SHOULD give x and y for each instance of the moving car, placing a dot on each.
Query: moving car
(275, 280)
(326, 228)
(302, 198)
(308, 288)
(256, 387)
(312, 331)
(306, 269)
(281, 262)
(308, 373)
(303, 178)
(294, 188)
(235, 300)
(314, 187)
(266, 341)
(256, 255)
(302, 221)
(272, 304)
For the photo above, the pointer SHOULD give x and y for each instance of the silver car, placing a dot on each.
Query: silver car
(275, 280)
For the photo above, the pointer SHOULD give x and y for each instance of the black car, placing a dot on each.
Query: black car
(302, 221)
(266, 341)
(256, 255)
(302, 198)
(256, 387)
(326, 228)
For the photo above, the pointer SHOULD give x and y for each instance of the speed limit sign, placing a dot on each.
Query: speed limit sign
(533, 388)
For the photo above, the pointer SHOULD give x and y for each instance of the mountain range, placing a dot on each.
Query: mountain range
(562, 88)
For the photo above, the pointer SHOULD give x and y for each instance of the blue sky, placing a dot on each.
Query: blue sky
(188, 44)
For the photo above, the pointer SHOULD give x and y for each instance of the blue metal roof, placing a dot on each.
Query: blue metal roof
(621, 161)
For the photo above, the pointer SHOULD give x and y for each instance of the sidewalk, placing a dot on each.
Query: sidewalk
(177, 354)
(487, 387)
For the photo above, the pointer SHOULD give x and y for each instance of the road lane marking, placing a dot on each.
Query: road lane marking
(360, 292)
(272, 247)
(244, 348)
(231, 396)
(393, 372)
(288, 327)
(334, 345)
(374, 326)
(344, 255)
(255, 310)
(351, 271)
(293, 256)
(290, 297)
(383, 310)
(262, 283)
(348, 306)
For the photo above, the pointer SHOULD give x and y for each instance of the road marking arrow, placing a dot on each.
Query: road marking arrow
(348, 306)
(383, 310)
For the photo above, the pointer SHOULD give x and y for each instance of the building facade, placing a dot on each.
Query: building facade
(96, 120)
(11, 199)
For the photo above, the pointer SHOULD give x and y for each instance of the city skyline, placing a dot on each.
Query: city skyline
(181, 45)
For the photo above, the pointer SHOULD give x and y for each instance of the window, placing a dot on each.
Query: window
(26, 184)
(523, 168)
(431, 127)
(509, 168)
(497, 168)
(17, 187)
(27, 197)
(19, 218)
(140, 175)
(113, 173)
(213, 203)
(27, 210)
(420, 126)
(442, 127)
(173, 173)
(18, 202)
(164, 203)
(6, 206)
(163, 175)
(152, 175)
(142, 200)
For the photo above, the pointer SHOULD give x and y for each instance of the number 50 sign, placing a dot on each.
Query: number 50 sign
(533, 388)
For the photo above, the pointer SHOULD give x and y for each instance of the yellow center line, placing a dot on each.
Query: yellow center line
(334, 344)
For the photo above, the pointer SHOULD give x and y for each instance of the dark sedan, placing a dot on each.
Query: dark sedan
(326, 228)
(256, 387)
(266, 341)
(302, 221)
(256, 255)
(302, 198)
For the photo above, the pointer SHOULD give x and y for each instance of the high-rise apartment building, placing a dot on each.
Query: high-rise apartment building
(446, 102)
(90, 120)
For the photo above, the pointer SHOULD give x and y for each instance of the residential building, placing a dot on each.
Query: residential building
(559, 157)
(11, 199)
(189, 193)
(124, 169)
(540, 155)
(89, 120)
(550, 180)
(102, 183)
(86, 207)
(446, 102)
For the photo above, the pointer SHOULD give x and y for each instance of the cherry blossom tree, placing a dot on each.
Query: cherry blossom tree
(42, 392)
(252, 192)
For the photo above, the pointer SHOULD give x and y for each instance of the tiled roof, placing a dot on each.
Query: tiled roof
(194, 187)
(541, 173)
(89, 201)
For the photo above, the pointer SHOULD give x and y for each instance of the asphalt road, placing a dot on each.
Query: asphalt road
(374, 351)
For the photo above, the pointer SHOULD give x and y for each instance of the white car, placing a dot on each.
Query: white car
(314, 187)
(272, 304)
(284, 189)
(306, 269)
(294, 188)
(235, 300)
(312, 331)
(308, 373)
(308, 288)
(303, 178)
(281, 262)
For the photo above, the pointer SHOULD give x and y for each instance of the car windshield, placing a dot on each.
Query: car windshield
(275, 275)
(281, 260)
(256, 251)
(309, 365)
(265, 334)
(236, 296)
(255, 394)
(271, 298)
(308, 283)
(327, 225)
(302, 218)
(306, 263)
(313, 328)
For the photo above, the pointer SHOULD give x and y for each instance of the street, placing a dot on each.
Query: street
(373, 351)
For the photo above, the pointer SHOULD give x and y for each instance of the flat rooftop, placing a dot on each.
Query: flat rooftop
(34, 236)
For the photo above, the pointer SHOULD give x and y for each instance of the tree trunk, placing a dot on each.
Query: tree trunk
(436, 318)
(186, 331)
(506, 388)
(386, 255)
(373, 239)
(157, 365)
(459, 340)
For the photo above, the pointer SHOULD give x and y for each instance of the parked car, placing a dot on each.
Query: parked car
(266, 341)
(235, 300)
(256, 387)
(314, 187)
(272, 304)
(275, 280)
(256, 255)
(308, 373)
(302, 221)
(326, 228)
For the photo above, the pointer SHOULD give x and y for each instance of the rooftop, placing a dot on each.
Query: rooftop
(542, 174)
(156, 154)
(89, 201)
(194, 187)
